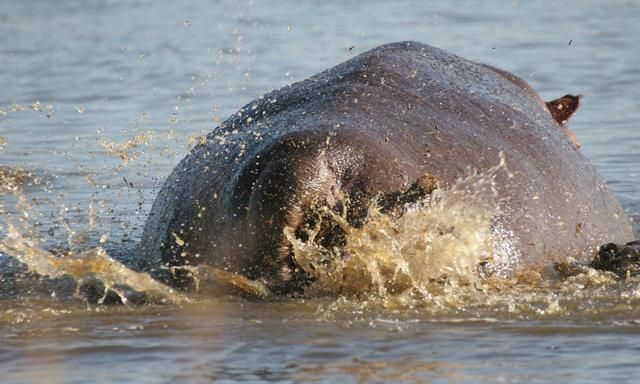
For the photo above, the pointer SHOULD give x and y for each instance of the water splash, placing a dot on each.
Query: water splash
(13, 180)
(129, 149)
(209, 280)
(448, 256)
(89, 267)
(456, 233)
(35, 106)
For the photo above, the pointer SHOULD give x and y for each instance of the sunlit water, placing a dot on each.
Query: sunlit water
(100, 100)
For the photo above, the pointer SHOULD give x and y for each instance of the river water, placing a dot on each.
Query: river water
(101, 99)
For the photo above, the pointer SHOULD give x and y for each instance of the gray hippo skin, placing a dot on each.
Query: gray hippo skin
(375, 124)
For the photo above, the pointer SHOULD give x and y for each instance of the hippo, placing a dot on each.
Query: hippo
(375, 125)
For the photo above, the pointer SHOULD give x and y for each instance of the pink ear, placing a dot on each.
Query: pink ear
(561, 109)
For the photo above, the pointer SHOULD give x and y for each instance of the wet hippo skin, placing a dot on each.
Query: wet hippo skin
(374, 125)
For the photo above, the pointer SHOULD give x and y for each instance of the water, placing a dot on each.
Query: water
(101, 99)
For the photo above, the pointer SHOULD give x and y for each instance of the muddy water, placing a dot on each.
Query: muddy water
(101, 99)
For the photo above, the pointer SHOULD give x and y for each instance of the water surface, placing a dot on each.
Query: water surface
(101, 99)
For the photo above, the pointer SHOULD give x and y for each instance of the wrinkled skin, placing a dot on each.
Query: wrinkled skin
(375, 124)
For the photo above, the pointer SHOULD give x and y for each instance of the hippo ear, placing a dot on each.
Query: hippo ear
(561, 109)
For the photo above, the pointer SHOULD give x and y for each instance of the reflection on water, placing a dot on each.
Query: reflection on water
(93, 118)
(240, 340)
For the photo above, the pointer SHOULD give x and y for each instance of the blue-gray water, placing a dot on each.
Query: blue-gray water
(79, 79)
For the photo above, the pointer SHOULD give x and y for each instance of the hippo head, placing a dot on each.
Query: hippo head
(287, 185)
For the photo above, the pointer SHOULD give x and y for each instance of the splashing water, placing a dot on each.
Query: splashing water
(50, 247)
(447, 253)
(454, 233)
(124, 150)
(89, 267)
